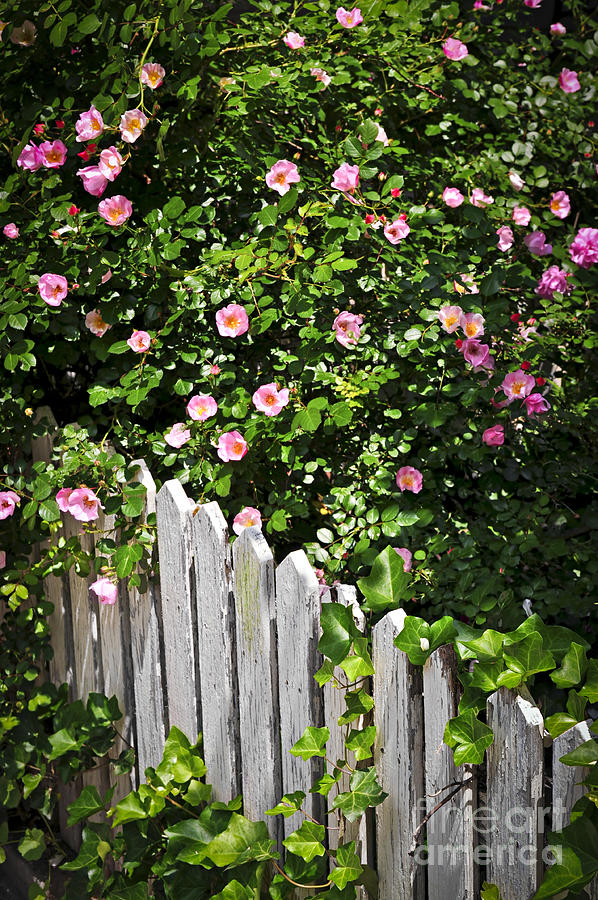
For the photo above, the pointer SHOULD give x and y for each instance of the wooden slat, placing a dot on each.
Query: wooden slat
(217, 657)
(566, 787)
(515, 775)
(450, 830)
(399, 753)
(174, 510)
(145, 619)
(258, 677)
(301, 703)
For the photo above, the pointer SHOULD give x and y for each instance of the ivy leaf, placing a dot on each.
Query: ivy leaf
(338, 631)
(413, 638)
(33, 844)
(529, 656)
(311, 743)
(87, 804)
(573, 667)
(490, 892)
(358, 704)
(584, 755)
(487, 646)
(242, 840)
(360, 741)
(359, 665)
(348, 867)
(575, 849)
(559, 723)
(306, 841)
(386, 585)
(325, 673)
(365, 792)
(590, 688)
(468, 737)
(288, 805)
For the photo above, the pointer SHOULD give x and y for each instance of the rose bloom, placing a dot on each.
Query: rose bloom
(140, 341)
(30, 158)
(347, 328)
(152, 74)
(560, 204)
(10, 230)
(105, 590)
(282, 175)
(269, 400)
(521, 215)
(553, 279)
(382, 136)
(346, 178)
(505, 237)
(410, 479)
(450, 318)
(246, 518)
(94, 181)
(494, 436)
(132, 124)
(584, 249)
(454, 49)
(472, 324)
(348, 19)
(110, 163)
(53, 154)
(96, 324)
(406, 556)
(9, 501)
(62, 499)
(232, 446)
(533, 4)
(536, 244)
(178, 435)
(52, 288)
(479, 198)
(396, 231)
(468, 285)
(516, 181)
(557, 28)
(115, 210)
(201, 407)
(293, 40)
(452, 196)
(321, 75)
(517, 385)
(83, 505)
(475, 353)
(535, 405)
(89, 125)
(569, 81)
(232, 320)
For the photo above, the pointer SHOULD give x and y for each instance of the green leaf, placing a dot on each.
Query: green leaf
(241, 841)
(287, 201)
(360, 742)
(414, 639)
(487, 646)
(584, 755)
(489, 892)
(573, 667)
(575, 849)
(87, 804)
(33, 844)
(88, 853)
(288, 805)
(358, 704)
(338, 631)
(129, 809)
(365, 792)
(590, 688)
(174, 208)
(359, 664)
(559, 723)
(62, 742)
(528, 656)
(268, 215)
(348, 867)
(126, 558)
(89, 24)
(468, 737)
(311, 743)
(306, 841)
(386, 585)
(325, 673)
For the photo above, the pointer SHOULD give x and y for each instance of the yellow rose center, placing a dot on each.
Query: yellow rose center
(237, 447)
(280, 178)
(517, 387)
(471, 329)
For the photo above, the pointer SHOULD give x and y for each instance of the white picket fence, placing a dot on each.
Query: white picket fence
(226, 645)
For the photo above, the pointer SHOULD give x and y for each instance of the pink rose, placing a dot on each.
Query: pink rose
(201, 407)
(505, 237)
(105, 590)
(450, 317)
(347, 328)
(533, 4)
(410, 479)
(53, 154)
(348, 19)
(560, 204)
(406, 556)
(452, 196)
(479, 198)
(494, 436)
(115, 210)
(475, 353)
(178, 435)
(269, 400)
(472, 324)
(536, 244)
(282, 175)
(9, 500)
(535, 405)
(132, 124)
(83, 505)
(553, 279)
(232, 320)
(569, 81)
(382, 136)
(293, 40)
(346, 178)
(521, 215)
(557, 28)
(516, 181)
(321, 75)
(396, 231)
(94, 181)
(110, 163)
(96, 324)
(30, 158)
(584, 248)
(517, 385)
(246, 518)
(89, 125)
(10, 231)
(52, 288)
(232, 446)
(140, 341)
(454, 49)
(62, 499)
(152, 75)
(467, 286)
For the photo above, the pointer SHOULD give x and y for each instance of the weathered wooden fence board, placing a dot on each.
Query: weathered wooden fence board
(566, 787)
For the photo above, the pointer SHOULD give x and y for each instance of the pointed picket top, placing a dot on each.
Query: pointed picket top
(217, 657)
(566, 787)
(174, 511)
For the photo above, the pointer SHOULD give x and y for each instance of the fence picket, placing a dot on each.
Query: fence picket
(566, 787)
(217, 658)
(398, 754)
(174, 511)
(449, 831)
(515, 775)
(258, 677)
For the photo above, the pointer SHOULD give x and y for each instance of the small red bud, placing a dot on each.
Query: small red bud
(525, 366)
(540, 381)
(515, 317)
(458, 343)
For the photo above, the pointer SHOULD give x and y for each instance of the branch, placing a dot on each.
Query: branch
(438, 806)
